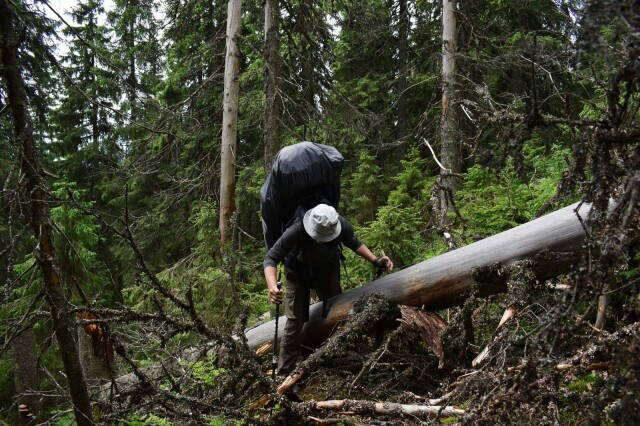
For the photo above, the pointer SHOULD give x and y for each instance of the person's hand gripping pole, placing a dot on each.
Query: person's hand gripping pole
(277, 300)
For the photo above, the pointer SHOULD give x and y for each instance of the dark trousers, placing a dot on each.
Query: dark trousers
(326, 283)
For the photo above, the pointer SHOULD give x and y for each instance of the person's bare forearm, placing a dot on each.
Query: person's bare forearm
(270, 275)
(365, 253)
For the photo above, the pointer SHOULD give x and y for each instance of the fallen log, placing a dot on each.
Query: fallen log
(439, 282)
(555, 240)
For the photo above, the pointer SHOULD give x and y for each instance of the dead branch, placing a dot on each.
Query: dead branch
(508, 314)
(290, 381)
(264, 350)
(385, 408)
(447, 172)
(367, 315)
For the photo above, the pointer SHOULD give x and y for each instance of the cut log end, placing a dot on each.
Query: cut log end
(264, 350)
(290, 381)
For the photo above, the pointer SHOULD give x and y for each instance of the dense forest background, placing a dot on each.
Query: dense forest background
(125, 103)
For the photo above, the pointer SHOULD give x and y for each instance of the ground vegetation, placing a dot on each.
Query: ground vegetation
(110, 184)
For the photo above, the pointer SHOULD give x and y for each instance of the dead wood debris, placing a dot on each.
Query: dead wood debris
(428, 325)
(264, 350)
(370, 407)
(368, 315)
(508, 314)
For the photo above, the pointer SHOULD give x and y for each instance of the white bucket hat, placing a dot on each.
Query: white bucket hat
(322, 223)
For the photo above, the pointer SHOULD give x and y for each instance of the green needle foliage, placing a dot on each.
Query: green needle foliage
(128, 123)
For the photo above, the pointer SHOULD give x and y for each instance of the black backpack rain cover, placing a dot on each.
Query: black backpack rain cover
(302, 175)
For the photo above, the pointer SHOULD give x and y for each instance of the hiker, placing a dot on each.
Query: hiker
(310, 250)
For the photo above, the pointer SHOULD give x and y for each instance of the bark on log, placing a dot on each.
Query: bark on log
(445, 280)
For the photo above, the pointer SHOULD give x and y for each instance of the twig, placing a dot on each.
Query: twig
(433, 154)
(375, 357)
(17, 331)
(324, 421)
(629, 284)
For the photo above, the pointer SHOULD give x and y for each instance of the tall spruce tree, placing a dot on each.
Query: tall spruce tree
(363, 70)
(272, 115)
(306, 44)
(84, 120)
(403, 43)
(138, 55)
(180, 154)
(40, 218)
(35, 35)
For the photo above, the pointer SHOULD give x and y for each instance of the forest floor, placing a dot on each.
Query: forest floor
(534, 372)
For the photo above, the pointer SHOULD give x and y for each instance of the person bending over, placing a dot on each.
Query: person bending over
(310, 251)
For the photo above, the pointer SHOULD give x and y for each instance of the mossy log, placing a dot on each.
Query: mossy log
(554, 242)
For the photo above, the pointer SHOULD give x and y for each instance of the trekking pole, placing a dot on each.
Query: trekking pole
(274, 358)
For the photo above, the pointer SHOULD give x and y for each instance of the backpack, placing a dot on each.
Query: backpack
(303, 175)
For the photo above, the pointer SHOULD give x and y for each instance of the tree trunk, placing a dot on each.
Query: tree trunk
(96, 369)
(230, 120)
(403, 55)
(25, 371)
(272, 73)
(309, 84)
(131, 78)
(447, 279)
(93, 116)
(63, 323)
(450, 153)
